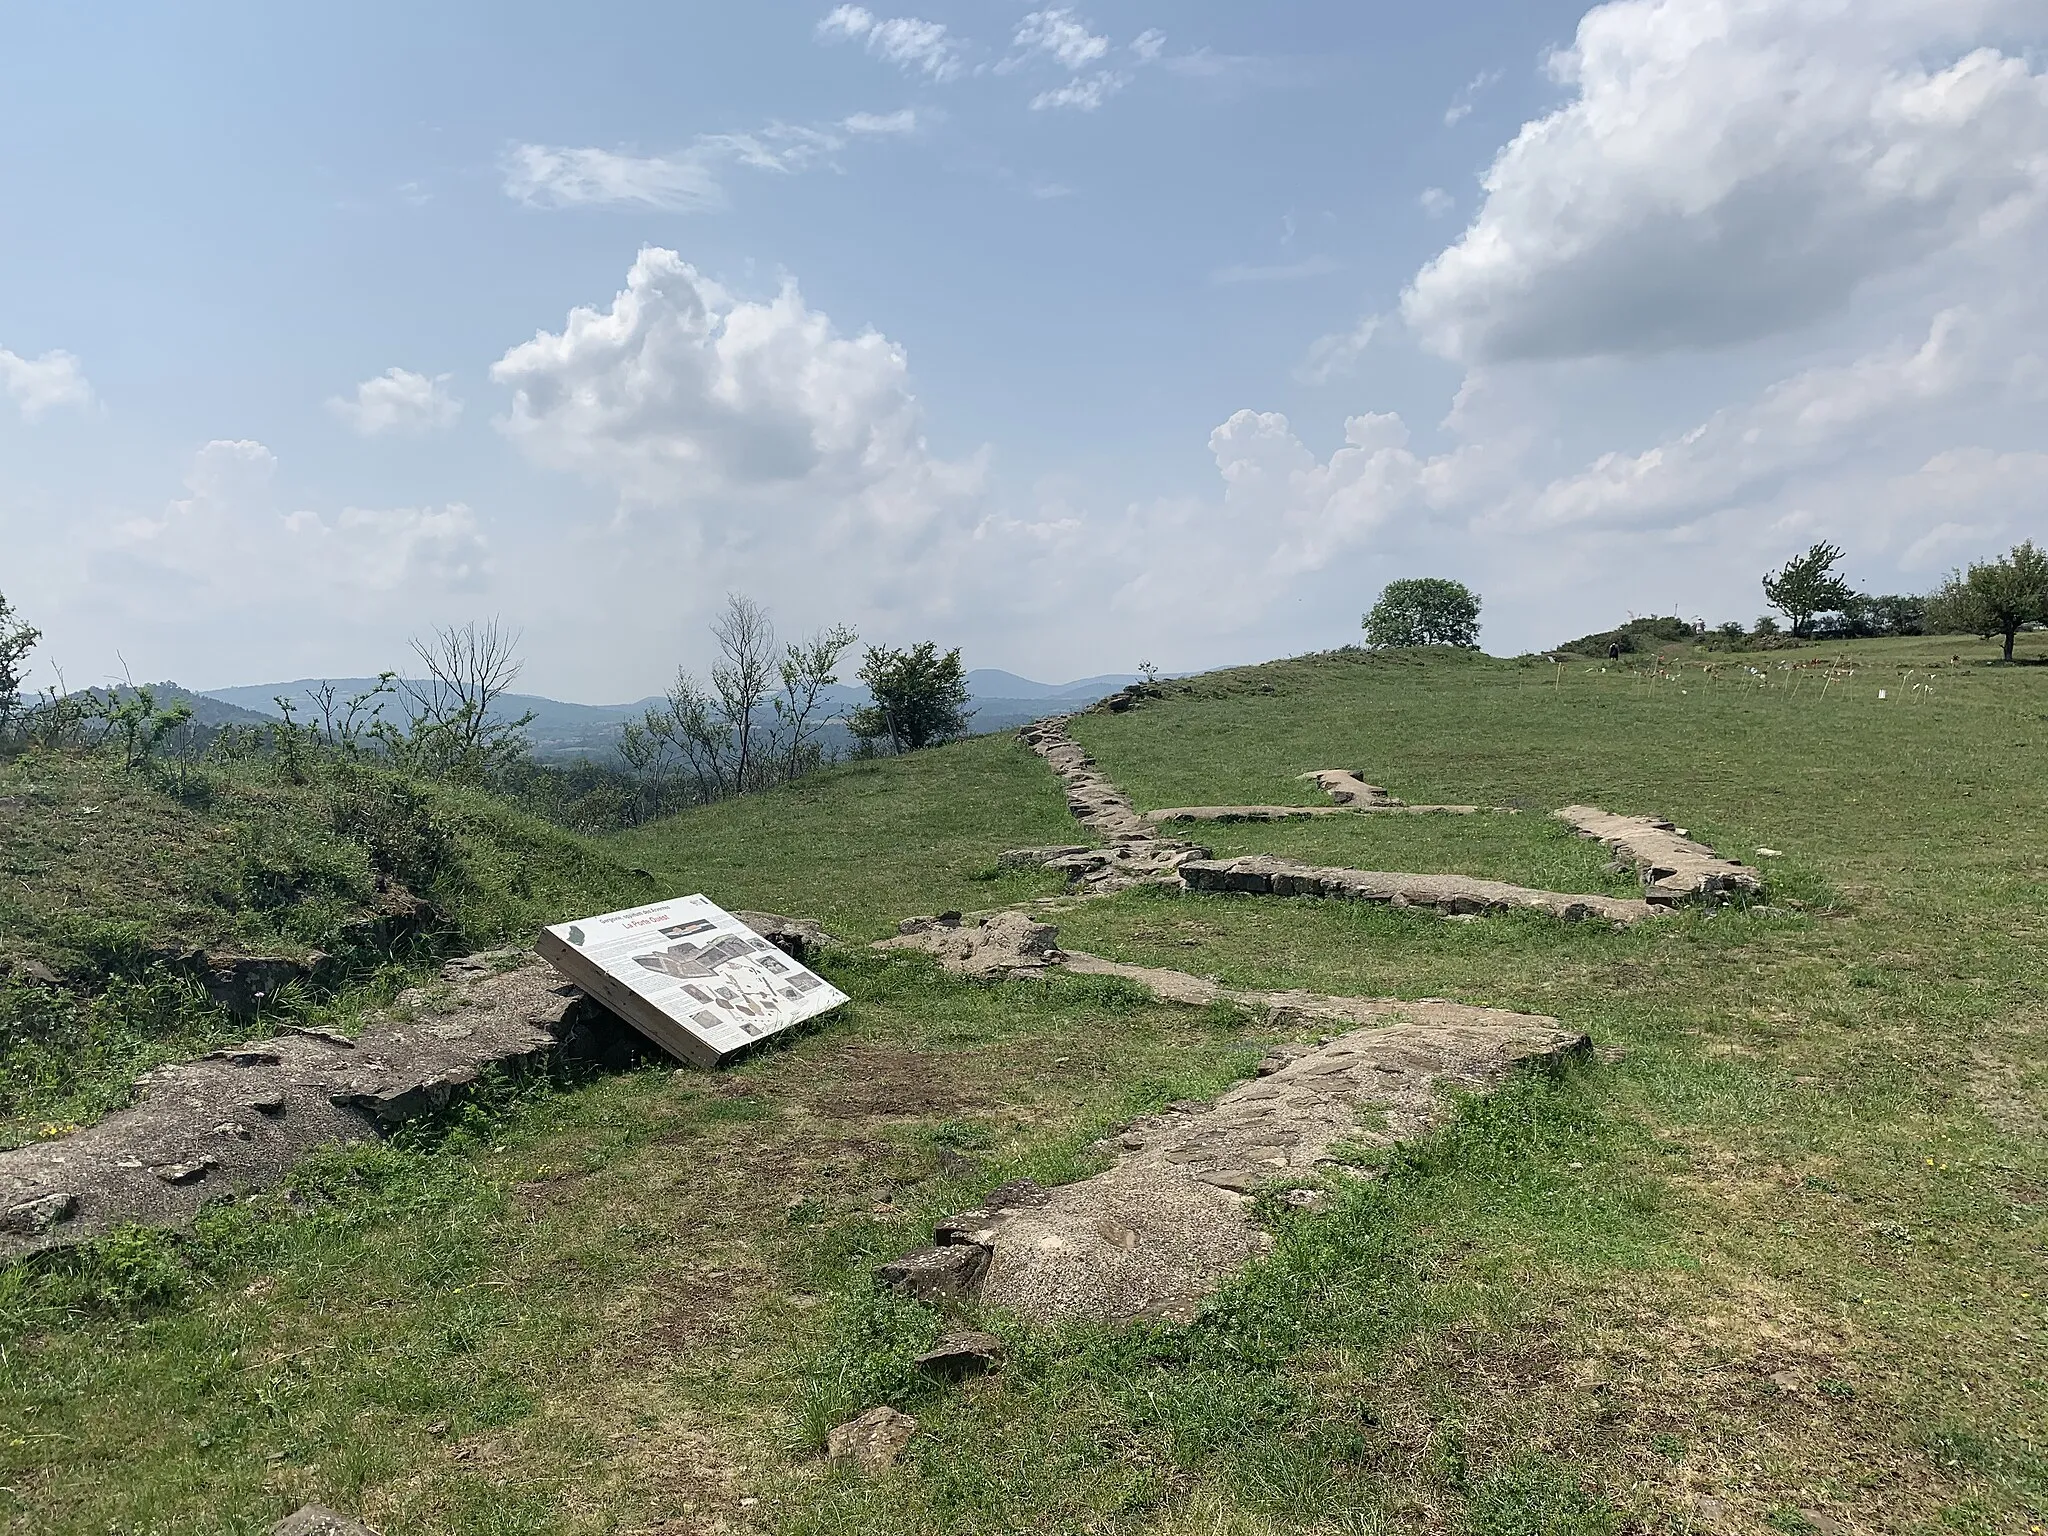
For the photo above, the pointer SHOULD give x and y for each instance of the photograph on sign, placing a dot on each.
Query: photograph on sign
(689, 975)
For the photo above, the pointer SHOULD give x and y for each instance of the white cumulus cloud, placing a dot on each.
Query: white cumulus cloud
(399, 402)
(680, 392)
(1730, 169)
(39, 384)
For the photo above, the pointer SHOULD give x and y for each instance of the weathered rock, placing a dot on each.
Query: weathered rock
(1672, 866)
(32, 1218)
(34, 972)
(872, 1441)
(1351, 792)
(959, 1355)
(1038, 858)
(484, 964)
(1247, 812)
(1146, 861)
(1001, 944)
(319, 1520)
(962, 1226)
(1452, 895)
(244, 1056)
(160, 1161)
(1156, 1233)
(944, 1273)
(1347, 787)
(797, 937)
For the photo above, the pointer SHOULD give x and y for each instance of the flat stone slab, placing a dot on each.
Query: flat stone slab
(1292, 1009)
(1452, 895)
(1159, 1231)
(235, 1120)
(1673, 867)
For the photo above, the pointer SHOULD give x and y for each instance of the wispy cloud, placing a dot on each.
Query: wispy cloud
(1081, 94)
(1285, 272)
(686, 180)
(1329, 356)
(881, 124)
(1061, 35)
(1461, 104)
(910, 43)
(1436, 202)
(544, 176)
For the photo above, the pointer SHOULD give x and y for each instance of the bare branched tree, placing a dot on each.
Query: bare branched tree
(455, 728)
(742, 677)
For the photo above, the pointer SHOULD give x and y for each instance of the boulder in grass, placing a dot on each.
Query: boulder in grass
(319, 1520)
(872, 1441)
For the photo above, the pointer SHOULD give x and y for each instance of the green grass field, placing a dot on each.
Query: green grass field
(1774, 1262)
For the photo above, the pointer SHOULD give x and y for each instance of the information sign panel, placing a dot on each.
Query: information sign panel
(688, 975)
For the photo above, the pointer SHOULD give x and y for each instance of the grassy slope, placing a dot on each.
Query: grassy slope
(864, 844)
(107, 876)
(1785, 1253)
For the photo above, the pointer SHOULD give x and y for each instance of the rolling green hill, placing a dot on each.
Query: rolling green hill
(1773, 1261)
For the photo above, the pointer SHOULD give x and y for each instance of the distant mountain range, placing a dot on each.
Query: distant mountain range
(1001, 701)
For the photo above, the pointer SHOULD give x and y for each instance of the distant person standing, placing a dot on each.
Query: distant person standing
(1614, 650)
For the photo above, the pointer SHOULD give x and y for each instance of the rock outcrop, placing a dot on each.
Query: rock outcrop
(1672, 866)
(1452, 895)
(986, 947)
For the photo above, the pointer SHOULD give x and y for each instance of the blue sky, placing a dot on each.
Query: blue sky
(1075, 336)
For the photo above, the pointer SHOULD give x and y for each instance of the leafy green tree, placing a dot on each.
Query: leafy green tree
(808, 670)
(1424, 610)
(920, 697)
(131, 720)
(17, 639)
(1808, 585)
(2001, 595)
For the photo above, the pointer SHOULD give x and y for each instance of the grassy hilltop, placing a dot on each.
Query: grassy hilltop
(1772, 1263)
